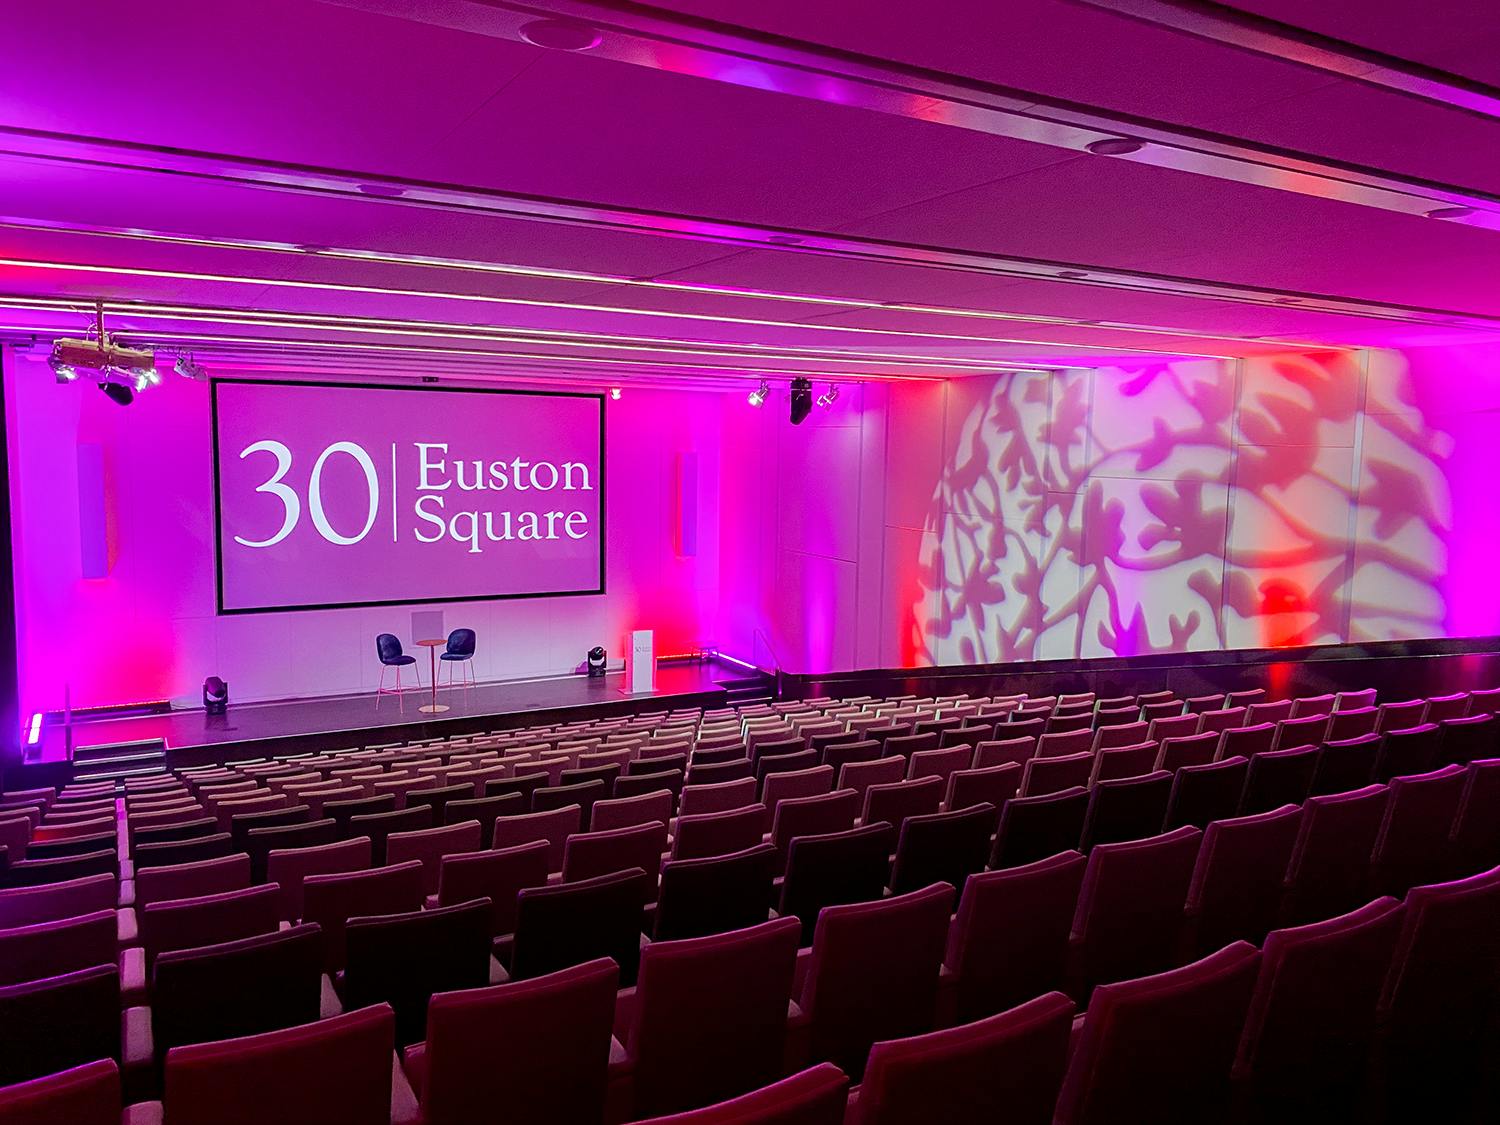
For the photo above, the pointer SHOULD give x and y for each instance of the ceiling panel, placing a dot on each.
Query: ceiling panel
(582, 128)
(1456, 35)
(1124, 215)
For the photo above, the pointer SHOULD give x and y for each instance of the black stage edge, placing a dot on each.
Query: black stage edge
(1398, 669)
(249, 730)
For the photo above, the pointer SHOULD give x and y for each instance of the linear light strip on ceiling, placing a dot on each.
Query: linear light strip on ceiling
(570, 306)
(481, 353)
(543, 337)
(1104, 281)
(737, 56)
(325, 183)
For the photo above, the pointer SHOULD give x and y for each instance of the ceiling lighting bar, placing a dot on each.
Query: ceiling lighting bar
(572, 306)
(1249, 32)
(1093, 277)
(736, 56)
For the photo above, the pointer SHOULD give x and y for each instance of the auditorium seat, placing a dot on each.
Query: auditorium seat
(1307, 1037)
(1439, 1000)
(524, 783)
(1008, 1067)
(331, 900)
(1033, 828)
(589, 854)
(1444, 707)
(834, 868)
(1009, 938)
(628, 812)
(810, 816)
(1345, 766)
(1352, 723)
(872, 975)
(1476, 829)
(553, 826)
(188, 923)
(944, 847)
(1312, 705)
(286, 868)
(722, 796)
(1354, 700)
(403, 959)
(1247, 741)
(1307, 731)
(343, 812)
(1187, 750)
(1203, 793)
(1130, 909)
(1267, 712)
(715, 773)
(1041, 776)
(1173, 726)
(1221, 720)
(244, 987)
(65, 945)
(66, 869)
(1159, 1048)
(1413, 844)
(860, 776)
(338, 1069)
(895, 801)
(1278, 777)
(1061, 744)
(1126, 808)
(1330, 864)
(715, 894)
(569, 923)
(700, 835)
(1004, 751)
(992, 784)
(1467, 739)
(84, 1095)
(815, 1096)
(530, 1052)
(1401, 715)
(708, 1019)
(1198, 704)
(1239, 879)
(496, 875)
(790, 784)
(428, 846)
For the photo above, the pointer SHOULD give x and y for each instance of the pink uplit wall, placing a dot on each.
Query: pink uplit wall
(146, 629)
(1301, 499)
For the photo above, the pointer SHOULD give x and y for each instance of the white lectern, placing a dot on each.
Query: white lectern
(640, 662)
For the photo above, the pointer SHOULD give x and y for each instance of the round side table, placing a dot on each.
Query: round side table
(433, 708)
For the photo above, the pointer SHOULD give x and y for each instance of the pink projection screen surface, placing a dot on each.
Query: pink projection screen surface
(329, 495)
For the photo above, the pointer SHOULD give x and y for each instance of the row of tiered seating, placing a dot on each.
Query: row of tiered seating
(239, 900)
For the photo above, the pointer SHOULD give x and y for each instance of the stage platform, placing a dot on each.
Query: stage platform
(191, 737)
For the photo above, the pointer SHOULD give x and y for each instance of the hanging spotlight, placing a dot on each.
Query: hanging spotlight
(65, 372)
(802, 399)
(113, 366)
(188, 367)
(829, 397)
(118, 392)
(758, 396)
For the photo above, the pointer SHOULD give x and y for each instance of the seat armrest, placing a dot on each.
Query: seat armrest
(404, 1107)
(127, 928)
(329, 1003)
(138, 1076)
(143, 1113)
(127, 892)
(498, 975)
(133, 975)
(414, 1063)
(799, 974)
(625, 1001)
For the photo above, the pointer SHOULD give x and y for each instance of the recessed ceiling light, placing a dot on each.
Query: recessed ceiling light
(1115, 146)
(561, 35)
(785, 240)
(1450, 212)
(1287, 301)
(384, 191)
(1072, 275)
